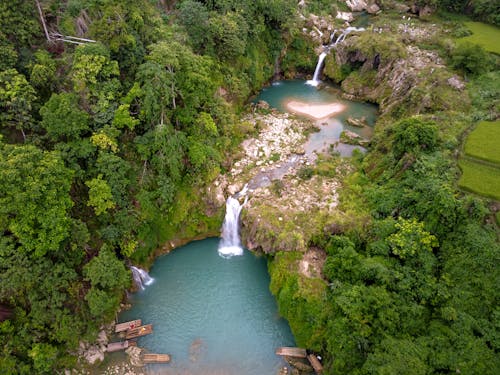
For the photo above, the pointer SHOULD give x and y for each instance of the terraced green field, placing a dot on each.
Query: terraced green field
(487, 36)
(484, 142)
(480, 178)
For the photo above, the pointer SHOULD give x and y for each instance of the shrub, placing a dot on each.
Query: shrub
(471, 59)
(305, 173)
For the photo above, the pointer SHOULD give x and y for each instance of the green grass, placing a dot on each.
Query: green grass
(485, 35)
(484, 142)
(479, 178)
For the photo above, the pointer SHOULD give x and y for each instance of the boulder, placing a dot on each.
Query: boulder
(93, 354)
(356, 5)
(102, 338)
(351, 138)
(425, 11)
(345, 16)
(262, 104)
(358, 122)
(299, 364)
(135, 356)
(373, 8)
(456, 83)
(401, 8)
(234, 188)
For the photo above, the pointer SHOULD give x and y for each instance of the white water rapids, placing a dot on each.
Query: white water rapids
(141, 277)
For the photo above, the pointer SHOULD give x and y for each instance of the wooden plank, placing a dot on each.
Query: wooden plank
(156, 358)
(315, 363)
(116, 346)
(120, 327)
(291, 352)
(139, 331)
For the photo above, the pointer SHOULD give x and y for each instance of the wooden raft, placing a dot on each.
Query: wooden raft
(139, 331)
(315, 363)
(291, 352)
(121, 345)
(120, 327)
(156, 358)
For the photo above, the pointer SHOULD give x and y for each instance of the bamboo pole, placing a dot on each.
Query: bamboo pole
(42, 19)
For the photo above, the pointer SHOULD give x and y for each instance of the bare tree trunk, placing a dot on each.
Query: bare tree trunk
(144, 168)
(42, 19)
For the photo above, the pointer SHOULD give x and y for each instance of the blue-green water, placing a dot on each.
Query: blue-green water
(213, 315)
(280, 92)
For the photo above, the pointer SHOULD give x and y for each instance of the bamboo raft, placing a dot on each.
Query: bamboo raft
(291, 352)
(121, 345)
(139, 331)
(120, 327)
(315, 363)
(156, 358)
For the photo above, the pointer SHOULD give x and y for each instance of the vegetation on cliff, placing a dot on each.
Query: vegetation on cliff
(106, 148)
(408, 281)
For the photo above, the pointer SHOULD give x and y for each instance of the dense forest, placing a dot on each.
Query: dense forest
(106, 146)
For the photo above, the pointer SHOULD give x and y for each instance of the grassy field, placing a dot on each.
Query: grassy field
(479, 178)
(487, 36)
(484, 142)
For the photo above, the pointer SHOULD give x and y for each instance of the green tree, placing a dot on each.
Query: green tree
(100, 196)
(229, 34)
(108, 278)
(44, 358)
(16, 100)
(410, 239)
(33, 182)
(414, 135)
(116, 172)
(92, 66)
(194, 16)
(62, 119)
(8, 55)
(43, 70)
(395, 356)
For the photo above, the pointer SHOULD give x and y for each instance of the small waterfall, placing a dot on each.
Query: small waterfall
(141, 277)
(315, 81)
(344, 34)
(333, 42)
(230, 244)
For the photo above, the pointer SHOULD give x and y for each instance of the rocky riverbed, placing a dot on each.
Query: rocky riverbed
(288, 199)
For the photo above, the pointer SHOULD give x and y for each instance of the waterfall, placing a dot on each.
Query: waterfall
(230, 244)
(344, 34)
(333, 42)
(315, 81)
(141, 277)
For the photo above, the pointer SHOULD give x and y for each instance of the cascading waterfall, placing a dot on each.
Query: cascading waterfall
(230, 244)
(315, 81)
(141, 277)
(333, 42)
(343, 35)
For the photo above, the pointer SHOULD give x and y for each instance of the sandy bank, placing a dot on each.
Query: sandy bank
(316, 111)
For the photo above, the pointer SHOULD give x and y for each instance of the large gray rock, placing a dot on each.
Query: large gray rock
(135, 356)
(345, 16)
(356, 5)
(94, 354)
(372, 8)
